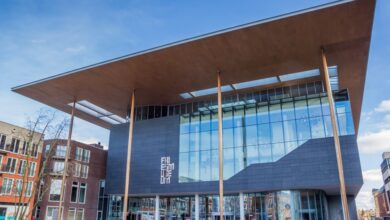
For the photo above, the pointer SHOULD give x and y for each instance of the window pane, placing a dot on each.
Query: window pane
(277, 132)
(205, 122)
(228, 163)
(205, 165)
(289, 130)
(194, 141)
(328, 126)
(264, 133)
(250, 116)
(194, 166)
(228, 140)
(183, 167)
(238, 137)
(214, 165)
(288, 111)
(265, 152)
(325, 106)
(184, 124)
(227, 120)
(277, 151)
(303, 129)
(239, 116)
(317, 127)
(214, 120)
(205, 142)
(275, 113)
(290, 146)
(239, 159)
(301, 109)
(345, 123)
(195, 123)
(214, 139)
(343, 107)
(252, 155)
(251, 135)
(184, 142)
(314, 107)
(262, 114)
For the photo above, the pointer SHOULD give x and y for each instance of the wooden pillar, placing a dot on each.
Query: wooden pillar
(335, 135)
(220, 149)
(68, 149)
(130, 142)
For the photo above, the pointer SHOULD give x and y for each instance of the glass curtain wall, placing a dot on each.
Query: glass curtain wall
(209, 207)
(139, 208)
(255, 133)
(286, 205)
(177, 208)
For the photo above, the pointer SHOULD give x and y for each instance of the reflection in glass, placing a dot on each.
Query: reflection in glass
(254, 133)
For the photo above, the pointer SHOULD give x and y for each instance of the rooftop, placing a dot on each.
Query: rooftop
(257, 54)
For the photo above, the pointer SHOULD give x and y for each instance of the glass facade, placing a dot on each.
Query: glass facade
(285, 205)
(258, 132)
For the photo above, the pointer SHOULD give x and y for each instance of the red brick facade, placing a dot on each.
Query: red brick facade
(78, 158)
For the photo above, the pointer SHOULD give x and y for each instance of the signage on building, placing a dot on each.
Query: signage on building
(166, 170)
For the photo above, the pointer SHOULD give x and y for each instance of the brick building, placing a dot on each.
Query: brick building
(85, 177)
(20, 155)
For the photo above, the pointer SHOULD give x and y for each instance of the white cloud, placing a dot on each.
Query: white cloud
(374, 175)
(384, 106)
(375, 142)
(365, 200)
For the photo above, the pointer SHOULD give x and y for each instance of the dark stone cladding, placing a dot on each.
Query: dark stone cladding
(310, 166)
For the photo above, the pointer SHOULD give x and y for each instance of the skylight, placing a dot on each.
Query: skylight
(266, 81)
(186, 95)
(299, 75)
(210, 91)
(254, 83)
(98, 112)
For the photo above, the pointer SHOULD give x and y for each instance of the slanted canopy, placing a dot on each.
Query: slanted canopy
(271, 47)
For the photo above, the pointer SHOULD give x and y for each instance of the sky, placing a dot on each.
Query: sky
(42, 38)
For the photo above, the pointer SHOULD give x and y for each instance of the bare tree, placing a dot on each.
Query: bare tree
(45, 125)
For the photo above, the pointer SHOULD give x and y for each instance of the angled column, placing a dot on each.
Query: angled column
(64, 173)
(335, 136)
(129, 145)
(220, 149)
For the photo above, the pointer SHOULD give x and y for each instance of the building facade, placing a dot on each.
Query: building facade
(267, 146)
(84, 181)
(20, 155)
(382, 195)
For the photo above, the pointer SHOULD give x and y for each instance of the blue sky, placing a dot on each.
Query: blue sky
(43, 38)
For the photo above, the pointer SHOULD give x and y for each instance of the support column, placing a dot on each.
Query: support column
(196, 206)
(242, 210)
(157, 208)
(220, 149)
(63, 182)
(129, 145)
(335, 136)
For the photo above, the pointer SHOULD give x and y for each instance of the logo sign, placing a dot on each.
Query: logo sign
(166, 170)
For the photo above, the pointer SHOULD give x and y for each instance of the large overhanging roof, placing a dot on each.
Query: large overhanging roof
(285, 44)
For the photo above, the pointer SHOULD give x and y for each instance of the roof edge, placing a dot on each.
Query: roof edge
(187, 40)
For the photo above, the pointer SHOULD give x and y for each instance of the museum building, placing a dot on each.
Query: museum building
(264, 115)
